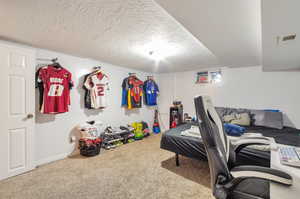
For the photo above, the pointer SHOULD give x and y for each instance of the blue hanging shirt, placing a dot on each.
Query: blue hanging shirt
(151, 91)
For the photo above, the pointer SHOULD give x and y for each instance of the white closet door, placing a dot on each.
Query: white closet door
(17, 102)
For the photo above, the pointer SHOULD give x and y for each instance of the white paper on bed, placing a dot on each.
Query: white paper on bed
(192, 132)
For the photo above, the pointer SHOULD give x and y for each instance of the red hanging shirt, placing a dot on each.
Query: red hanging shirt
(56, 82)
(136, 92)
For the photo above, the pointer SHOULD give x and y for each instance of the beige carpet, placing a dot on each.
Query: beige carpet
(140, 170)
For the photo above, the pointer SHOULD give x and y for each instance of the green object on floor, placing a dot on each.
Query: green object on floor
(130, 140)
(138, 130)
(118, 143)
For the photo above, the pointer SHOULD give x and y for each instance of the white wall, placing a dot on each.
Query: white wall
(166, 97)
(53, 131)
(241, 87)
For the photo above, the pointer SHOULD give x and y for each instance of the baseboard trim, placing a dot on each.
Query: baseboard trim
(51, 159)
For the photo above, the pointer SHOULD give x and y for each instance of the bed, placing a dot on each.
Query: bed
(193, 147)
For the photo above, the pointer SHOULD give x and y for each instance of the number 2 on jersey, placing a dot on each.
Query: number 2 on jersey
(100, 90)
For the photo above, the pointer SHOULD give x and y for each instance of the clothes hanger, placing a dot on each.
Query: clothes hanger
(150, 77)
(132, 75)
(91, 122)
(97, 68)
(55, 64)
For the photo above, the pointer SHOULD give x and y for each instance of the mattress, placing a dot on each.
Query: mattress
(286, 136)
(193, 147)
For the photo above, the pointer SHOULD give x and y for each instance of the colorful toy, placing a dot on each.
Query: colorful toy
(156, 127)
(138, 130)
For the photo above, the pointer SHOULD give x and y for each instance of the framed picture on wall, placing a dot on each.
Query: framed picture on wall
(202, 78)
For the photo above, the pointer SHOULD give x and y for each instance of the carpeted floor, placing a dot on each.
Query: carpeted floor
(140, 170)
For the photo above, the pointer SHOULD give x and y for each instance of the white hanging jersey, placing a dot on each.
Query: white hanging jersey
(97, 83)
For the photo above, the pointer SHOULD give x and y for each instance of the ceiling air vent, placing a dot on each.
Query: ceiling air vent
(289, 37)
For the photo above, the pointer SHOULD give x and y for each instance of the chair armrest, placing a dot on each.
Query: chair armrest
(243, 142)
(253, 135)
(262, 173)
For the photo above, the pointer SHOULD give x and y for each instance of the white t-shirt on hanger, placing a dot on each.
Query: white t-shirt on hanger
(97, 83)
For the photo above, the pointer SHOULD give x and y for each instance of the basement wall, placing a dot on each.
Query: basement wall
(248, 87)
(53, 132)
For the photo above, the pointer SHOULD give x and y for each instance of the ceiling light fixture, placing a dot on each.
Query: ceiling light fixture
(158, 49)
(156, 56)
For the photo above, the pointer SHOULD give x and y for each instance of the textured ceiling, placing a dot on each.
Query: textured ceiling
(230, 29)
(120, 32)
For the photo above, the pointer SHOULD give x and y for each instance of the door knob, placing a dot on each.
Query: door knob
(29, 116)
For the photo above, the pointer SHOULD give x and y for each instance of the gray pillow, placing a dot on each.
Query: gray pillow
(267, 119)
(223, 111)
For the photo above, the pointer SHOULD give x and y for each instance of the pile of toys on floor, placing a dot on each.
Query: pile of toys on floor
(95, 136)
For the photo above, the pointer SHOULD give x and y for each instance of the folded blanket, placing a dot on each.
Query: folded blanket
(233, 129)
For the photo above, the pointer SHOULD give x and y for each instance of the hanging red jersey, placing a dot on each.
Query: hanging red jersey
(136, 92)
(57, 83)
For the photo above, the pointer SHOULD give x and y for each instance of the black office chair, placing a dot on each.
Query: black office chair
(241, 182)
